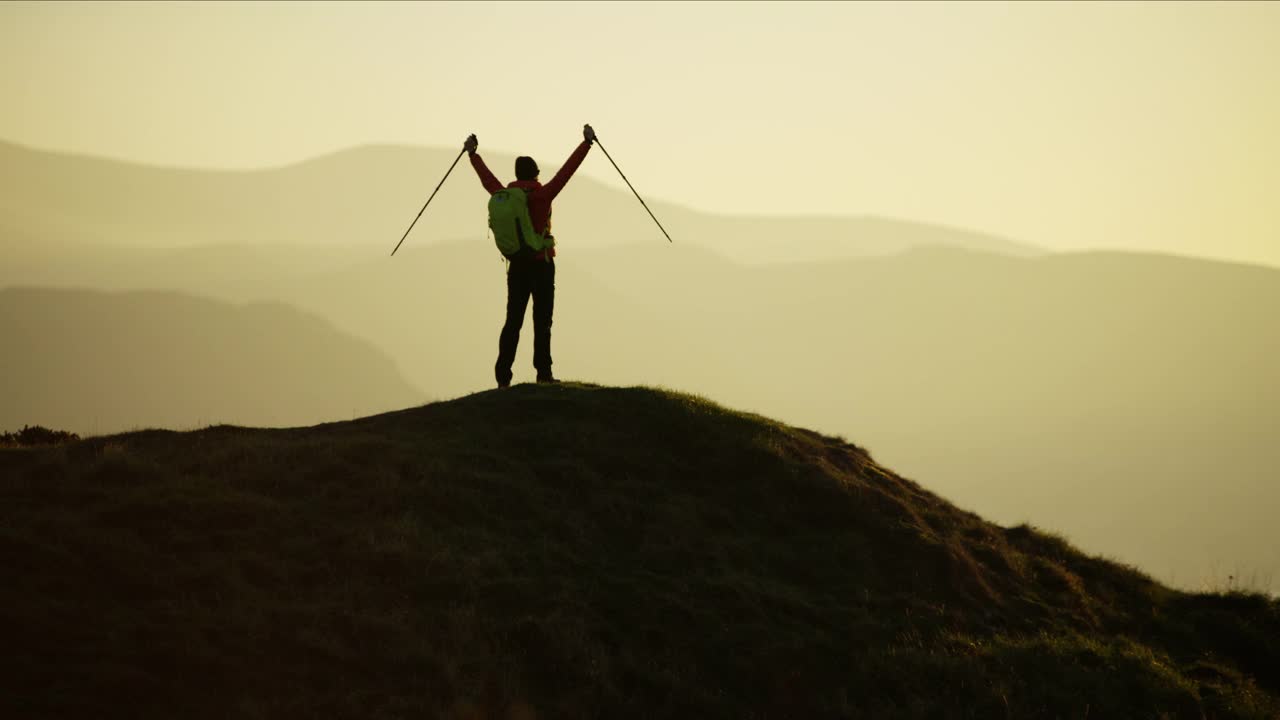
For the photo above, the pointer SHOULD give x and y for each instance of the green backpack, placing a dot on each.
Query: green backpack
(511, 225)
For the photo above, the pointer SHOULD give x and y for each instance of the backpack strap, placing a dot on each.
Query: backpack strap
(520, 234)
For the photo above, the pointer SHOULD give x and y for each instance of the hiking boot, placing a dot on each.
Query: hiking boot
(548, 378)
(504, 385)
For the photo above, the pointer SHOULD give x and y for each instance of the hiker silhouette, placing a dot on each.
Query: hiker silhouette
(532, 270)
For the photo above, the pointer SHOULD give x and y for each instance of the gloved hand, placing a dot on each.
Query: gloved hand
(471, 144)
(588, 134)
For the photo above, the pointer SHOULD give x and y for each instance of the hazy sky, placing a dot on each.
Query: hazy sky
(1147, 126)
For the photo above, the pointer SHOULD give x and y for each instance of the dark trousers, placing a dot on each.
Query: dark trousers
(527, 277)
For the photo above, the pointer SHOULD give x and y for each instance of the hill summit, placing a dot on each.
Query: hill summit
(572, 551)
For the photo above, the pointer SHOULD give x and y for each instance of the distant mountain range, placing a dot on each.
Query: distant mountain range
(367, 196)
(96, 362)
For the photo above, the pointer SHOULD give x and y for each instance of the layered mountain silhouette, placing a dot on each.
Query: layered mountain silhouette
(572, 551)
(1128, 400)
(94, 362)
(367, 196)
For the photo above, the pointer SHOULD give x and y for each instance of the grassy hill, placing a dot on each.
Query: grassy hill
(1139, 390)
(572, 551)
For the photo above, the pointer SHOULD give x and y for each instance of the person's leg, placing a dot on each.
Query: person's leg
(518, 289)
(544, 302)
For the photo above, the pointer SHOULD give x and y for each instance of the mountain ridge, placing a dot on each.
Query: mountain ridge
(92, 361)
(185, 199)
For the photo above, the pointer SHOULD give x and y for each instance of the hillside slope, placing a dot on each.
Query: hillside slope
(565, 552)
(974, 371)
(95, 362)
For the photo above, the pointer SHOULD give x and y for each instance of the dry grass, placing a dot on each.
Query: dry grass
(570, 552)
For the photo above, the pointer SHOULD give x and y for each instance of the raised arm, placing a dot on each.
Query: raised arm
(566, 171)
(487, 179)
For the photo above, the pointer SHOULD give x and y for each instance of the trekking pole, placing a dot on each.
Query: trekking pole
(633, 190)
(428, 202)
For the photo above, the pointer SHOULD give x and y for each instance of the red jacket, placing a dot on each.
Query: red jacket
(540, 196)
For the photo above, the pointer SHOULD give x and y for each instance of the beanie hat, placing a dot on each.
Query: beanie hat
(526, 168)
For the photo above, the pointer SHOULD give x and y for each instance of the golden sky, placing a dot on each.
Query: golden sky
(1120, 125)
